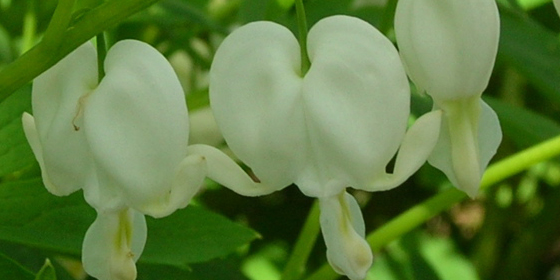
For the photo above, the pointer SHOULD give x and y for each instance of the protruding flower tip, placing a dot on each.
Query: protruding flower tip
(113, 243)
(359, 260)
(343, 229)
(468, 176)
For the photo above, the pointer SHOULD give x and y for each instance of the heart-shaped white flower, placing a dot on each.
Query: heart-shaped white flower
(449, 48)
(337, 125)
(122, 140)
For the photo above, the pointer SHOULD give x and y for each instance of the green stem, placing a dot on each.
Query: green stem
(295, 267)
(302, 36)
(42, 56)
(59, 24)
(29, 27)
(426, 210)
(101, 54)
(388, 16)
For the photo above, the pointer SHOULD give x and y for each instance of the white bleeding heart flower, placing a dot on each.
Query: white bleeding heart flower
(122, 140)
(448, 49)
(337, 125)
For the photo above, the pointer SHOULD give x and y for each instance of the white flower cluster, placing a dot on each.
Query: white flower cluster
(123, 140)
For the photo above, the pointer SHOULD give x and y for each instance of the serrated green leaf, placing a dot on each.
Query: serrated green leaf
(26, 208)
(15, 153)
(522, 126)
(10, 269)
(188, 236)
(193, 235)
(47, 272)
(532, 50)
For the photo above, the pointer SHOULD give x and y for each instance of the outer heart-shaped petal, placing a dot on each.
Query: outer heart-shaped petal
(255, 94)
(136, 124)
(335, 127)
(65, 159)
(448, 47)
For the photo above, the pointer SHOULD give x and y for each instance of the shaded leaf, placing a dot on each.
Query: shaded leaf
(532, 50)
(192, 235)
(188, 236)
(15, 153)
(10, 269)
(523, 127)
(418, 256)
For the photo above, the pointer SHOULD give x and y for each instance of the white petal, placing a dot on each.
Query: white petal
(33, 138)
(557, 6)
(418, 144)
(186, 183)
(55, 98)
(255, 94)
(226, 172)
(343, 229)
(356, 99)
(486, 145)
(113, 243)
(449, 47)
(136, 123)
(316, 132)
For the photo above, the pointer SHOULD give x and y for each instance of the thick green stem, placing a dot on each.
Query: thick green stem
(42, 57)
(302, 36)
(59, 24)
(295, 267)
(426, 210)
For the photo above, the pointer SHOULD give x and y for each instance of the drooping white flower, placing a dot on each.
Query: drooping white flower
(449, 48)
(336, 126)
(123, 141)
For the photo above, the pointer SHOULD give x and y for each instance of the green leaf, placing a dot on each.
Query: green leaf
(193, 235)
(10, 269)
(26, 208)
(532, 50)
(212, 270)
(15, 153)
(418, 256)
(47, 272)
(523, 127)
(188, 236)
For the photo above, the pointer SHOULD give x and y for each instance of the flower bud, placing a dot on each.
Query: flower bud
(448, 46)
